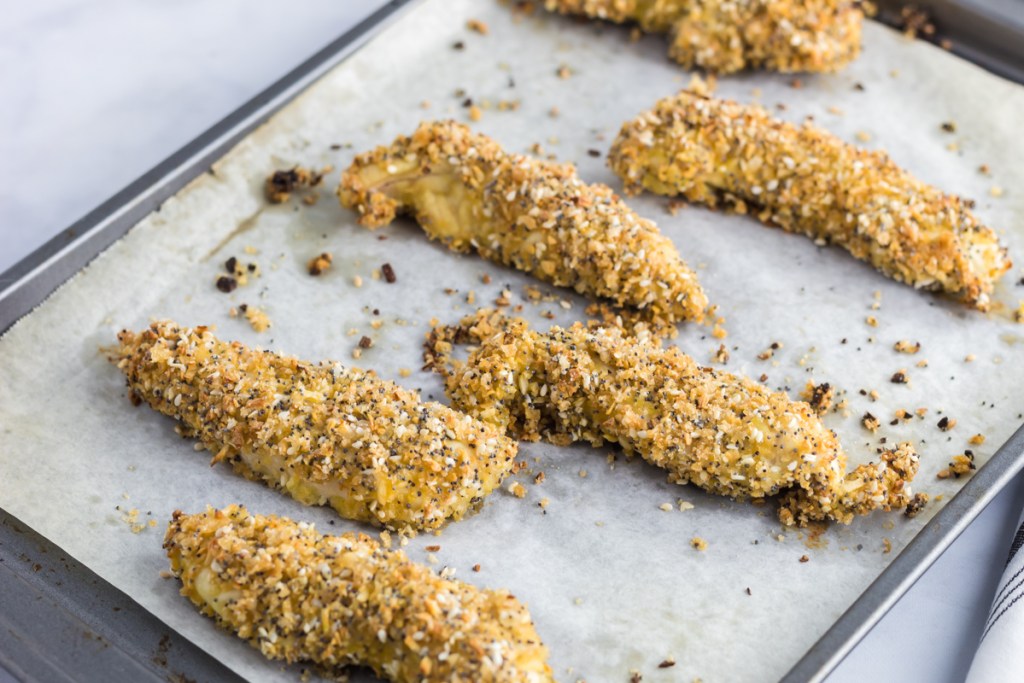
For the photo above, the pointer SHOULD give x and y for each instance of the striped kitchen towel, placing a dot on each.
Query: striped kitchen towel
(1000, 655)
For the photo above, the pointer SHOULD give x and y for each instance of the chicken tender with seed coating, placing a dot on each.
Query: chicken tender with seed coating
(808, 181)
(533, 215)
(725, 36)
(341, 601)
(722, 432)
(324, 434)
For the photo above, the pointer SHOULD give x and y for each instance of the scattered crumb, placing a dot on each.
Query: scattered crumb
(667, 663)
(804, 558)
(280, 184)
(476, 567)
(539, 478)
(475, 113)
(996, 191)
(900, 377)
(958, 466)
(389, 273)
(684, 505)
(977, 439)
(477, 26)
(946, 423)
(721, 355)
(699, 543)
(543, 504)
(320, 264)
(863, 136)
(665, 507)
(870, 422)
(886, 546)
(357, 281)
(916, 504)
(819, 396)
(257, 318)
(517, 489)
(563, 72)
(907, 346)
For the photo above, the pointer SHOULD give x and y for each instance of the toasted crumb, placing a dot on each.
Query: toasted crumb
(872, 321)
(478, 26)
(900, 377)
(970, 358)
(320, 264)
(539, 478)
(475, 113)
(977, 439)
(804, 558)
(916, 504)
(280, 184)
(863, 136)
(870, 422)
(564, 72)
(699, 543)
(907, 346)
(886, 546)
(721, 355)
(517, 489)
(544, 502)
(819, 396)
(946, 423)
(959, 465)
(257, 318)
(996, 191)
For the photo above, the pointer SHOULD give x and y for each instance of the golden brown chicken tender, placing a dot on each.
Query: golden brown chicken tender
(719, 431)
(341, 601)
(808, 181)
(534, 215)
(325, 434)
(725, 36)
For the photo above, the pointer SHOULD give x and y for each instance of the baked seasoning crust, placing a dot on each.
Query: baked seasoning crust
(725, 36)
(808, 181)
(719, 431)
(323, 433)
(340, 601)
(534, 215)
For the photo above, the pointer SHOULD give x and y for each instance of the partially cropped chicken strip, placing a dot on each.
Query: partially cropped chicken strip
(341, 601)
(725, 36)
(724, 433)
(808, 181)
(324, 433)
(533, 215)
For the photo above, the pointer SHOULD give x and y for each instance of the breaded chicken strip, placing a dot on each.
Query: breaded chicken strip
(533, 215)
(808, 181)
(325, 434)
(724, 433)
(340, 601)
(725, 36)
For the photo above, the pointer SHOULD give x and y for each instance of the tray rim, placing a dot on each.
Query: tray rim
(32, 280)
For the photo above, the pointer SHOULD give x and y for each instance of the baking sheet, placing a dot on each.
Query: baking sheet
(610, 578)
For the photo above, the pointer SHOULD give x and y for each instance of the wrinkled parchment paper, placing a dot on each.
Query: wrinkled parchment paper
(611, 579)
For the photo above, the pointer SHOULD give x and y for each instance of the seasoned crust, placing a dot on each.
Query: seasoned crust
(534, 215)
(725, 36)
(719, 431)
(808, 181)
(340, 601)
(325, 434)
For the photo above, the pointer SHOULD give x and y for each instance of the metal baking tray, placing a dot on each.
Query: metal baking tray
(62, 622)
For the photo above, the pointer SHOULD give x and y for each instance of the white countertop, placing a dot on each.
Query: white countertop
(95, 94)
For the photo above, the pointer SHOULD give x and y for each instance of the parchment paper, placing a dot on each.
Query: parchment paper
(610, 578)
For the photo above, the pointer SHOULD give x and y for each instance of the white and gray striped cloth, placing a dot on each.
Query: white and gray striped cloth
(1000, 655)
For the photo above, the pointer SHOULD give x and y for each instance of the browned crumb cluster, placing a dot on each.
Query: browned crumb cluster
(281, 184)
(808, 181)
(819, 396)
(725, 36)
(958, 466)
(534, 215)
(325, 434)
(916, 504)
(721, 432)
(320, 264)
(341, 601)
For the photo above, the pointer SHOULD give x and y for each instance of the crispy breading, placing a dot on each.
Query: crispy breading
(341, 601)
(534, 215)
(808, 181)
(722, 432)
(325, 434)
(725, 36)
